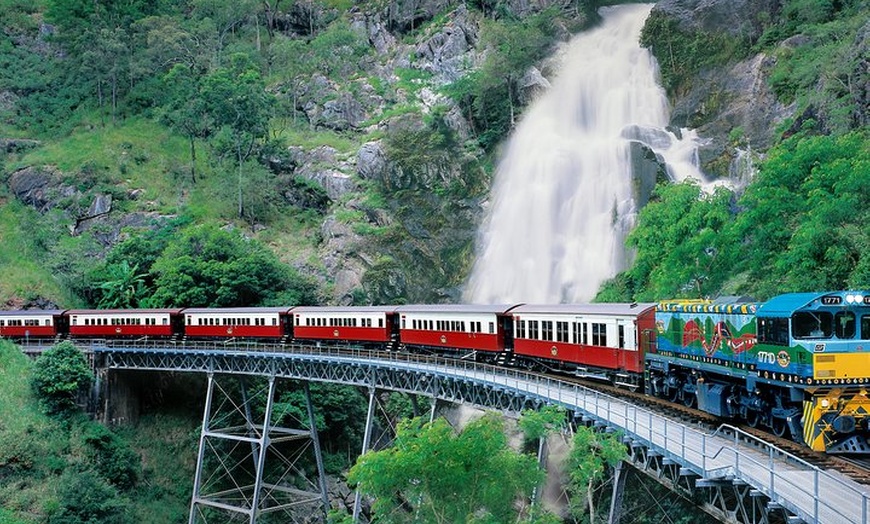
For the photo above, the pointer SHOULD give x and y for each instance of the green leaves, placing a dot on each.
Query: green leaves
(590, 457)
(124, 287)
(538, 424)
(805, 216)
(432, 474)
(684, 245)
(211, 267)
(59, 376)
(801, 225)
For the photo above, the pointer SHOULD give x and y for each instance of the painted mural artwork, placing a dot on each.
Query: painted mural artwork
(722, 339)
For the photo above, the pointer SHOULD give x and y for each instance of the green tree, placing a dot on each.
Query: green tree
(105, 60)
(489, 96)
(225, 19)
(110, 456)
(685, 243)
(431, 474)
(185, 109)
(514, 47)
(804, 219)
(85, 498)
(123, 287)
(237, 103)
(206, 266)
(292, 62)
(60, 375)
(592, 454)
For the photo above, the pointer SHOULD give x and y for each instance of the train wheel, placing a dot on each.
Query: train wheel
(689, 399)
(752, 418)
(778, 426)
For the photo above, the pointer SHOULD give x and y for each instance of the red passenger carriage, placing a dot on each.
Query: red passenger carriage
(240, 322)
(469, 327)
(30, 323)
(592, 338)
(351, 324)
(124, 322)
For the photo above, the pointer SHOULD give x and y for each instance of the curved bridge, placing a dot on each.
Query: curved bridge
(744, 479)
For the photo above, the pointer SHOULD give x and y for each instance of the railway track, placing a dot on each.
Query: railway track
(855, 468)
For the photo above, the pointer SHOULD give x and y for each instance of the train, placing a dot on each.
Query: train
(797, 365)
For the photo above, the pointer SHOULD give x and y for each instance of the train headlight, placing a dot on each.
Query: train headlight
(825, 403)
(854, 299)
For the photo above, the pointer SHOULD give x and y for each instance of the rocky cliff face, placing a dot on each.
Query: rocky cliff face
(416, 243)
(730, 106)
(730, 101)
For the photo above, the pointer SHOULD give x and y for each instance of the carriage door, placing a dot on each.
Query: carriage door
(622, 344)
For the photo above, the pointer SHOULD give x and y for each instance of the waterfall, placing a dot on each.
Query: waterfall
(562, 200)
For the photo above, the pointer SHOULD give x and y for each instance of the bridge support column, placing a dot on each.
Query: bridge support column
(619, 475)
(357, 500)
(318, 455)
(234, 482)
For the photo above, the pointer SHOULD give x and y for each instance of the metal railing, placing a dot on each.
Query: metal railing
(725, 453)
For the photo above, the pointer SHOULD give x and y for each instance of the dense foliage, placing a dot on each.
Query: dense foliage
(419, 477)
(65, 468)
(60, 376)
(800, 226)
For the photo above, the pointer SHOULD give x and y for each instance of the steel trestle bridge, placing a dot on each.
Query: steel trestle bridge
(743, 479)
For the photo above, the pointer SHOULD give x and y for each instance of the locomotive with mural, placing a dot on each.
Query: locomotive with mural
(797, 364)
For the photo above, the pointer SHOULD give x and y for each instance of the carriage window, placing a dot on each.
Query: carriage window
(533, 329)
(561, 331)
(380, 322)
(547, 329)
(521, 329)
(599, 334)
(812, 324)
(844, 324)
(621, 337)
(584, 333)
(404, 321)
(865, 327)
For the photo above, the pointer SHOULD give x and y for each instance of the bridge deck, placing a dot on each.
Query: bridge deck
(728, 455)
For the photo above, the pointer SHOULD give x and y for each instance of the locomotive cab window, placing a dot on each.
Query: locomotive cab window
(844, 324)
(812, 324)
(773, 331)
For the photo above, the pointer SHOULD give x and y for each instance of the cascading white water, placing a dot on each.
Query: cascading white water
(562, 198)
